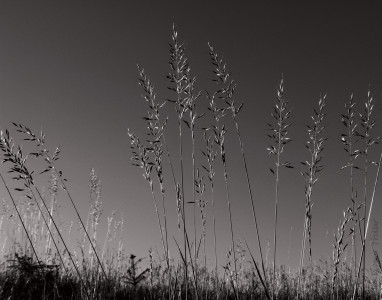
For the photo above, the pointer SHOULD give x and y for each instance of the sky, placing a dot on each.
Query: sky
(70, 69)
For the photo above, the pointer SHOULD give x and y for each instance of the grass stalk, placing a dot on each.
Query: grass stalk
(210, 154)
(339, 246)
(200, 188)
(62, 239)
(223, 75)
(108, 235)
(141, 159)
(220, 132)
(95, 209)
(265, 286)
(21, 219)
(219, 137)
(19, 167)
(193, 190)
(7, 147)
(348, 140)
(193, 116)
(156, 135)
(367, 124)
(54, 189)
(180, 77)
(52, 167)
(315, 148)
(279, 132)
(366, 228)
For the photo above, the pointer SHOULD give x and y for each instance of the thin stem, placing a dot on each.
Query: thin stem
(180, 77)
(155, 133)
(167, 247)
(354, 248)
(183, 205)
(194, 199)
(363, 257)
(215, 250)
(82, 224)
(315, 147)
(250, 195)
(62, 239)
(175, 185)
(51, 166)
(211, 155)
(230, 215)
(21, 220)
(157, 213)
(228, 91)
(276, 202)
(367, 226)
(258, 272)
(302, 256)
(280, 139)
(348, 120)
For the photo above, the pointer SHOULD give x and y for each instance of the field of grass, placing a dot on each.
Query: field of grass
(42, 260)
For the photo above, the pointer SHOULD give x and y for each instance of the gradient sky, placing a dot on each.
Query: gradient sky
(70, 69)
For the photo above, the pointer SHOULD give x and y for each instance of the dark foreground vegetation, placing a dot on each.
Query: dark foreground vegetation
(25, 279)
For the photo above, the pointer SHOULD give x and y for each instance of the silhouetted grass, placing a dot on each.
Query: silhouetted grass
(86, 266)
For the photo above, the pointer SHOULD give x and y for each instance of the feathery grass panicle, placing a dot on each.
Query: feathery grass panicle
(349, 139)
(200, 187)
(230, 271)
(193, 116)
(279, 138)
(50, 160)
(7, 147)
(377, 259)
(227, 92)
(108, 236)
(379, 269)
(365, 134)
(155, 139)
(53, 187)
(141, 158)
(95, 210)
(315, 146)
(224, 92)
(202, 203)
(182, 84)
(339, 245)
(220, 132)
(18, 161)
(366, 230)
(210, 155)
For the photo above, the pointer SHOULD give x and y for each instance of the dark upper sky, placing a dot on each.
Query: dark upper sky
(70, 69)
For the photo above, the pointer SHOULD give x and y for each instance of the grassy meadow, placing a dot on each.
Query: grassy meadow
(40, 259)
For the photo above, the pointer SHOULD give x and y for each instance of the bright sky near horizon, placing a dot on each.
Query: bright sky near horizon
(69, 68)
